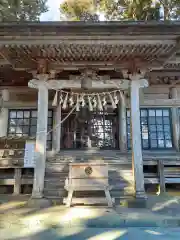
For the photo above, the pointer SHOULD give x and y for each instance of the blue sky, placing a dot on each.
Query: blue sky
(53, 13)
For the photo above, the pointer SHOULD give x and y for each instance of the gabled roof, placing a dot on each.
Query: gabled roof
(106, 46)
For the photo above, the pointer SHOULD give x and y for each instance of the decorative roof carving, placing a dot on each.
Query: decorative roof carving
(80, 53)
(165, 80)
(172, 65)
(88, 76)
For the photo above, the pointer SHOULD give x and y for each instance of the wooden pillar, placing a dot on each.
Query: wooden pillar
(136, 84)
(17, 181)
(41, 137)
(57, 132)
(175, 120)
(4, 114)
(162, 184)
(122, 125)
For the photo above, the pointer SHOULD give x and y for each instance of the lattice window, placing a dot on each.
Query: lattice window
(93, 129)
(102, 130)
(155, 129)
(23, 122)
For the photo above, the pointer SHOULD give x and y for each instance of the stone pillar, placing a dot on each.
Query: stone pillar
(122, 125)
(175, 120)
(137, 160)
(41, 135)
(4, 114)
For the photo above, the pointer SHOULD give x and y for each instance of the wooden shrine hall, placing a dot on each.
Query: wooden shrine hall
(106, 91)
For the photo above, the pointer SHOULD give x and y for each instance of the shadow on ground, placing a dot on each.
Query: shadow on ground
(17, 222)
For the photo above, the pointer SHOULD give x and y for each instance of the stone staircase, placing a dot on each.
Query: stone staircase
(120, 173)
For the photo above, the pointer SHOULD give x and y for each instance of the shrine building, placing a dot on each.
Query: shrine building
(81, 92)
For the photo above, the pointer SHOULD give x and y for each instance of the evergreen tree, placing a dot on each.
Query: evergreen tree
(122, 9)
(76, 10)
(22, 10)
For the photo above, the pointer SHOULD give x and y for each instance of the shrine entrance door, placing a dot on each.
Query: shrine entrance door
(85, 129)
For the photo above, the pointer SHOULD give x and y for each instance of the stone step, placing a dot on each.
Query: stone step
(80, 155)
(55, 192)
(116, 192)
(120, 173)
(114, 182)
(54, 183)
(89, 200)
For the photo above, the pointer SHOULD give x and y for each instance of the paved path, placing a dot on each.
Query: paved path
(95, 234)
(18, 222)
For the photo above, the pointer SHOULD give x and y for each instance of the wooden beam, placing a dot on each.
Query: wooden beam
(59, 64)
(120, 64)
(161, 102)
(164, 73)
(60, 84)
(45, 40)
(18, 89)
(174, 60)
(15, 104)
(173, 51)
(5, 60)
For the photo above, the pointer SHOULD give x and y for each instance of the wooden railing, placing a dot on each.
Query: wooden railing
(12, 150)
(13, 176)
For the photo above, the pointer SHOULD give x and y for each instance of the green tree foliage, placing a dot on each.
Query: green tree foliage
(141, 9)
(22, 10)
(131, 10)
(74, 10)
(122, 9)
(170, 8)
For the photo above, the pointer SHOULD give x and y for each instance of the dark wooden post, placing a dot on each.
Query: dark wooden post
(162, 184)
(17, 181)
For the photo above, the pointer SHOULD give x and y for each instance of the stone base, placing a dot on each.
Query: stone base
(133, 202)
(137, 203)
(140, 195)
(39, 203)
